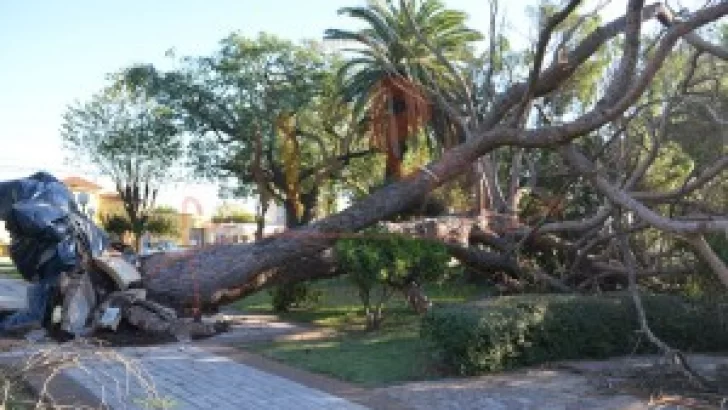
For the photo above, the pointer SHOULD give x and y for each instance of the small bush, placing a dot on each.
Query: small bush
(389, 263)
(518, 331)
(298, 294)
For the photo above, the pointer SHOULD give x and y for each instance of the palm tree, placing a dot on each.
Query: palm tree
(392, 68)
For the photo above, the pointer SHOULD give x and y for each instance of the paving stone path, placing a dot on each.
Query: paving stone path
(181, 376)
(13, 294)
(184, 377)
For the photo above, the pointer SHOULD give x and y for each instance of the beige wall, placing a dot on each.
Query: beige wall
(4, 240)
(186, 223)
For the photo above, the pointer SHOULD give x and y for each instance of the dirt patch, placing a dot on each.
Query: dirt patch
(636, 383)
(666, 385)
(126, 335)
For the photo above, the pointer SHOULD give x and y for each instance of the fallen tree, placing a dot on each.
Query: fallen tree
(216, 275)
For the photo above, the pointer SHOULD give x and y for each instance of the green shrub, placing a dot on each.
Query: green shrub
(390, 262)
(525, 330)
(299, 294)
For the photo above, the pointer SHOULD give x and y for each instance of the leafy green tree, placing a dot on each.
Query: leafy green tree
(383, 263)
(163, 223)
(265, 112)
(116, 224)
(127, 137)
(160, 222)
(228, 213)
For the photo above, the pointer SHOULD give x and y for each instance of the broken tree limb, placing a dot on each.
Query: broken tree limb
(580, 163)
(703, 249)
(668, 18)
(210, 272)
(675, 356)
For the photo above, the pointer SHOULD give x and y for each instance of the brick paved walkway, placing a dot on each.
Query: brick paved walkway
(188, 377)
(181, 377)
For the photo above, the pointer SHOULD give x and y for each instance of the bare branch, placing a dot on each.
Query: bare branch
(645, 165)
(553, 76)
(707, 175)
(580, 163)
(543, 41)
(668, 19)
(703, 249)
(675, 356)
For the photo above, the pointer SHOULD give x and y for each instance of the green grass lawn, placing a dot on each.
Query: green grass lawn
(394, 353)
(7, 269)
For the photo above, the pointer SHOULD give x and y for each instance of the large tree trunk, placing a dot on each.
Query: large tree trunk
(217, 271)
(221, 273)
(260, 212)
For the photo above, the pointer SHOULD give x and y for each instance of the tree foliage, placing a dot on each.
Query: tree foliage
(229, 213)
(126, 136)
(574, 146)
(160, 222)
(381, 263)
(390, 74)
(265, 112)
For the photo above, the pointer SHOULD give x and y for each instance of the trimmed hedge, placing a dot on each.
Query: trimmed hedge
(509, 332)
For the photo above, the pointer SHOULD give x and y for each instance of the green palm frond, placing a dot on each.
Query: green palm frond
(391, 44)
(384, 32)
(345, 35)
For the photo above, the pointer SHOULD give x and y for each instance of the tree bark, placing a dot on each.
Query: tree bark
(215, 273)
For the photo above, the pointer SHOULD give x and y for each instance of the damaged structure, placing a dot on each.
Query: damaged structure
(78, 284)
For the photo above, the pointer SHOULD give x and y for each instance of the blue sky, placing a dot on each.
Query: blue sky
(55, 52)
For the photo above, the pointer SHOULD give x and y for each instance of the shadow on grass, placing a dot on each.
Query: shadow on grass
(392, 354)
(372, 359)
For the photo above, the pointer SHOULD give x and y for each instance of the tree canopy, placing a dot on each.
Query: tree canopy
(128, 137)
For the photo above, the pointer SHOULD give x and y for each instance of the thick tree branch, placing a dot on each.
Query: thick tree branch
(668, 19)
(624, 75)
(706, 253)
(708, 174)
(543, 41)
(580, 163)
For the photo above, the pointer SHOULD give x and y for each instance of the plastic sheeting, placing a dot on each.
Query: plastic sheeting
(45, 225)
(46, 229)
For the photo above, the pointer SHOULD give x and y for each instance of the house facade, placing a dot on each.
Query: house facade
(92, 199)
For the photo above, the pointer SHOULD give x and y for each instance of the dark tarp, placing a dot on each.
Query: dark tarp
(46, 229)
